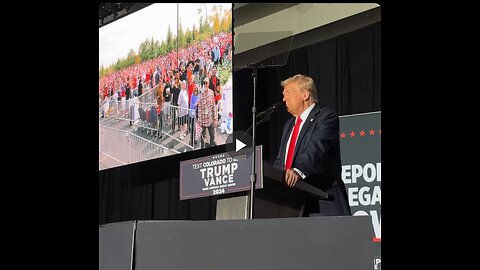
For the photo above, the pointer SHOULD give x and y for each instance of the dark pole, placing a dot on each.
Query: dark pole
(253, 176)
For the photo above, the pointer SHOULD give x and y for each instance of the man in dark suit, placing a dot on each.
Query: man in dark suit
(310, 147)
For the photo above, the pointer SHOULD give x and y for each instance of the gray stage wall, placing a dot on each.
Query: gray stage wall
(332, 243)
(115, 245)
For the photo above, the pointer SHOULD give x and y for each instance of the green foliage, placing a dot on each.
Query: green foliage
(224, 72)
(188, 36)
(131, 57)
(169, 40)
(101, 72)
(163, 49)
(204, 26)
(194, 34)
(181, 37)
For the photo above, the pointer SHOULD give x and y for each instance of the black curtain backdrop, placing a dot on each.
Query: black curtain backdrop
(347, 73)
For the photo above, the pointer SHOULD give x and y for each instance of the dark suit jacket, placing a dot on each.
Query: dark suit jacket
(317, 155)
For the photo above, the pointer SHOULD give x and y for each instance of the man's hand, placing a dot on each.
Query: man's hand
(291, 177)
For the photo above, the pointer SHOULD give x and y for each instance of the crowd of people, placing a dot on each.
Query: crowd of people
(187, 85)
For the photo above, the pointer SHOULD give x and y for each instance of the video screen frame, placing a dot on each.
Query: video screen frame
(171, 93)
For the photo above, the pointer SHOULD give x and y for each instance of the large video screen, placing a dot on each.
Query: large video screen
(165, 82)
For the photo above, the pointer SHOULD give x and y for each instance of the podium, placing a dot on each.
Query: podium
(226, 175)
(274, 200)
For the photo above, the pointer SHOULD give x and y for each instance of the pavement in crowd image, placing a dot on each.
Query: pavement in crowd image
(139, 141)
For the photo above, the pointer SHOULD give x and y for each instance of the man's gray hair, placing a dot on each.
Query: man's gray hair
(304, 82)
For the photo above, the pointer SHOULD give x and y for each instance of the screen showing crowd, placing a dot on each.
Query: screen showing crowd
(165, 82)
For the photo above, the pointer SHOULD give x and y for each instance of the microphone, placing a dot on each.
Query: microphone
(270, 109)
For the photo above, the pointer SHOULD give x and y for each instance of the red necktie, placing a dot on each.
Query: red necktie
(293, 140)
